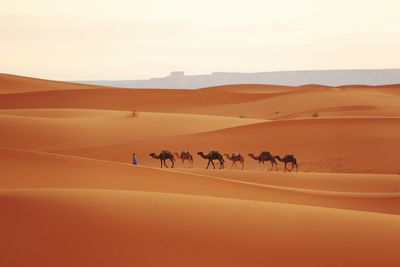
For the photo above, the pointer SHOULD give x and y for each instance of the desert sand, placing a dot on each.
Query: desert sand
(70, 197)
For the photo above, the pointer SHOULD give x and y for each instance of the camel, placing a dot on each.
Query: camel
(212, 156)
(185, 155)
(289, 159)
(164, 155)
(236, 157)
(263, 157)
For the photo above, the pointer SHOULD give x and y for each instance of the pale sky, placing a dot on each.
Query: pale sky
(130, 39)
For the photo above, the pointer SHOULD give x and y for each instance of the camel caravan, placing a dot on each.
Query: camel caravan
(235, 158)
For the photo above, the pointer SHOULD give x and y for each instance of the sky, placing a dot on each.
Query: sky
(130, 39)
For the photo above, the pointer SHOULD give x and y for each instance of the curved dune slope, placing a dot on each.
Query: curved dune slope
(336, 182)
(58, 171)
(327, 102)
(155, 100)
(16, 84)
(56, 129)
(251, 88)
(114, 228)
(251, 101)
(329, 145)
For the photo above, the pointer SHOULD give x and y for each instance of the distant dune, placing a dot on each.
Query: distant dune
(70, 197)
(16, 84)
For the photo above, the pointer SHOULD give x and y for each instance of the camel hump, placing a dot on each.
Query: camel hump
(167, 152)
(236, 154)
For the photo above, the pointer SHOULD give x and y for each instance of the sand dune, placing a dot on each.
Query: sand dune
(251, 88)
(69, 196)
(390, 88)
(327, 102)
(328, 145)
(16, 84)
(356, 116)
(76, 227)
(182, 101)
(58, 171)
(336, 182)
(55, 129)
(251, 101)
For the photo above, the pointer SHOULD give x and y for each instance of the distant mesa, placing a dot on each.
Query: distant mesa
(172, 75)
(178, 79)
(177, 74)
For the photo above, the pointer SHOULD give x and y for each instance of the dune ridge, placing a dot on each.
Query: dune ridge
(154, 223)
(10, 83)
(97, 173)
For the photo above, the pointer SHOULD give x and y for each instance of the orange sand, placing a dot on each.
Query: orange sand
(69, 197)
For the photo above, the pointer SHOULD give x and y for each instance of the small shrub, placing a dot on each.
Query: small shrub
(133, 114)
(315, 115)
(277, 112)
(242, 116)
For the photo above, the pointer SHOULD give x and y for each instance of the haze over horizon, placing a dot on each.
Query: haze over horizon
(114, 40)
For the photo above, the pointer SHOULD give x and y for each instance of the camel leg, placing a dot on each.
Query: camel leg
(165, 164)
(161, 163)
(272, 165)
(173, 163)
(208, 165)
(212, 162)
(297, 167)
(291, 168)
(285, 166)
(221, 164)
(242, 165)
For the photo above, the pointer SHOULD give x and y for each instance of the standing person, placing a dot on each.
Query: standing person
(134, 159)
